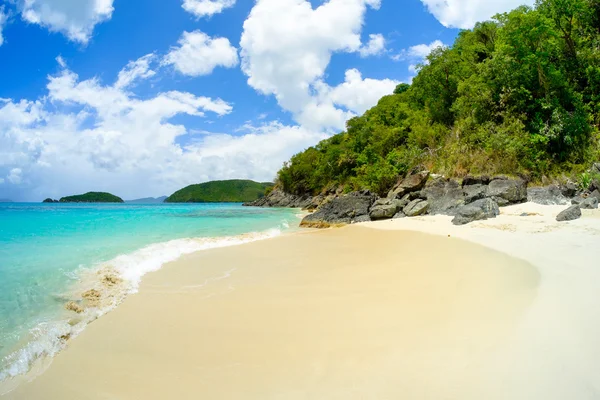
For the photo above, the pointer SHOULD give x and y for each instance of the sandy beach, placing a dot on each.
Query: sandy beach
(410, 308)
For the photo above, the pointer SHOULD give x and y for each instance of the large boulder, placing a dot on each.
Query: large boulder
(570, 214)
(549, 195)
(410, 184)
(346, 209)
(586, 203)
(387, 208)
(474, 192)
(470, 180)
(279, 198)
(507, 191)
(479, 210)
(444, 196)
(596, 194)
(416, 207)
(569, 190)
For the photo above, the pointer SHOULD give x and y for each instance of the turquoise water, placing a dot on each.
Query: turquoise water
(46, 250)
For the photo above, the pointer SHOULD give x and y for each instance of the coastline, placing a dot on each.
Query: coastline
(314, 314)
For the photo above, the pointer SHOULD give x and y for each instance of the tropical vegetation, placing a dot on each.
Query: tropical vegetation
(232, 191)
(91, 197)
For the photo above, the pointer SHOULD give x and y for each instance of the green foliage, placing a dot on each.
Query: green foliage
(92, 197)
(585, 181)
(516, 95)
(233, 191)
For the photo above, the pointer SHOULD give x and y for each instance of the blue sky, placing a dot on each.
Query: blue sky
(142, 97)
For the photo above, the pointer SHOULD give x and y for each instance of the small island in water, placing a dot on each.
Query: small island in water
(231, 191)
(90, 197)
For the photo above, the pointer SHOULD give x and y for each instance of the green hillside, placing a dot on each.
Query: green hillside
(232, 191)
(92, 197)
(518, 95)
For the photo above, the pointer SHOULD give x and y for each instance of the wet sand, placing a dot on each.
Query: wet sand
(350, 313)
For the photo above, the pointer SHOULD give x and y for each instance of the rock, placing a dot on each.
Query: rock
(410, 184)
(278, 198)
(596, 168)
(362, 218)
(399, 215)
(72, 306)
(416, 207)
(345, 209)
(507, 191)
(570, 214)
(386, 208)
(569, 190)
(474, 192)
(476, 211)
(596, 194)
(549, 195)
(595, 185)
(586, 203)
(444, 196)
(471, 180)
(49, 200)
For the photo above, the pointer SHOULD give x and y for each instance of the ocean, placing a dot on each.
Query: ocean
(91, 256)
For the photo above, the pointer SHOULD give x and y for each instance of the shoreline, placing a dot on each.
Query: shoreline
(495, 235)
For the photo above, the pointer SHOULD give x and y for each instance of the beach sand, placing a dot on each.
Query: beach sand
(350, 313)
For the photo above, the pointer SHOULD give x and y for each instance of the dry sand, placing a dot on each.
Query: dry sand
(351, 313)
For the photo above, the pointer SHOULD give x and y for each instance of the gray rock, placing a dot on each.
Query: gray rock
(507, 191)
(596, 194)
(443, 195)
(586, 203)
(569, 190)
(549, 195)
(470, 180)
(596, 168)
(345, 209)
(416, 207)
(278, 198)
(474, 192)
(384, 211)
(595, 185)
(570, 214)
(479, 210)
(399, 215)
(410, 184)
(362, 218)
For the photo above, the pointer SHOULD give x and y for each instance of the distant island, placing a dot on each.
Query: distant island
(90, 197)
(231, 191)
(148, 200)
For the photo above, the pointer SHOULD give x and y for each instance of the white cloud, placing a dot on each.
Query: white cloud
(375, 46)
(287, 45)
(14, 176)
(139, 69)
(3, 19)
(464, 14)
(199, 54)
(418, 54)
(83, 135)
(74, 18)
(206, 8)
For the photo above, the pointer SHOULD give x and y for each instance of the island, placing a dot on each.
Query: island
(92, 197)
(49, 200)
(229, 191)
(148, 200)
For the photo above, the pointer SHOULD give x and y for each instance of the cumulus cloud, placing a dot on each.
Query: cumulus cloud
(83, 135)
(139, 69)
(375, 46)
(464, 14)
(287, 45)
(418, 54)
(206, 8)
(3, 19)
(199, 54)
(75, 19)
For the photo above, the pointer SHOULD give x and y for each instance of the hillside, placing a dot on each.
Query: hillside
(518, 95)
(92, 197)
(232, 191)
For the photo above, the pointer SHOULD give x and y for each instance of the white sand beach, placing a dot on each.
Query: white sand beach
(411, 308)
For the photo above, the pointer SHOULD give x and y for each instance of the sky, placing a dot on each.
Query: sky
(143, 97)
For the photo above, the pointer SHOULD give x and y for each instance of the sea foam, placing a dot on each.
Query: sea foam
(113, 281)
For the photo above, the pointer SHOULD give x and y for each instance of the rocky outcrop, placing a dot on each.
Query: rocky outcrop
(444, 196)
(350, 208)
(570, 214)
(549, 195)
(586, 203)
(507, 191)
(278, 198)
(416, 207)
(477, 211)
(410, 184)
(49, 200)
(569, 190)
(387, 208)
